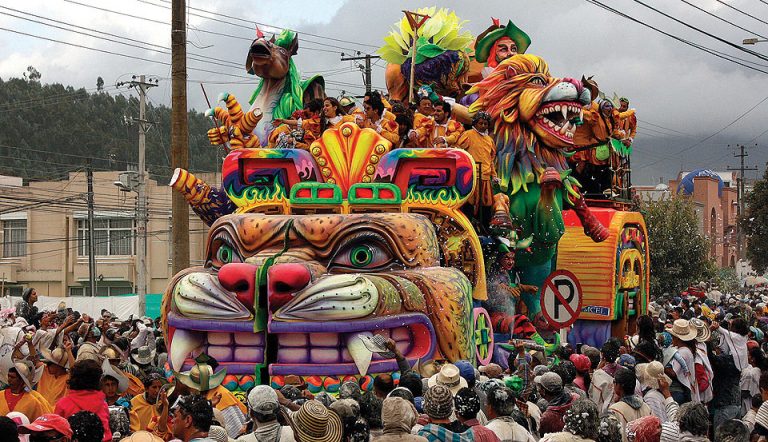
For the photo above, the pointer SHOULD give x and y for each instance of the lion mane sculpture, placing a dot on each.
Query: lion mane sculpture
(535, 116)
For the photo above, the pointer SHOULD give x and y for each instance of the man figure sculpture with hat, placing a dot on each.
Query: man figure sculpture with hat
(203, 378)
(53, 381)
(497, 43)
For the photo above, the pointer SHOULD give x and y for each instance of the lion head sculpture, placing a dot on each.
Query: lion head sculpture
(326, 249)
(535, 116)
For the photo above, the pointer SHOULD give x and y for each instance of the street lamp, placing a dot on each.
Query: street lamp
(752, 41)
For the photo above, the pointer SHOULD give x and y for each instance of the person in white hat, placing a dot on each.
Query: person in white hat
(654, 385)
(53, 382)
(704, 373)
(448, 376)
(20, 396)
(683, 371)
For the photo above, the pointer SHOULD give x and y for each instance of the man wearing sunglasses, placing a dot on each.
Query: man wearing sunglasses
(48, 428)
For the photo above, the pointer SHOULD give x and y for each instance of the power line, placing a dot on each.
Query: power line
(138, 17)
(710, 136)
(272, 26)
(722, 19)
(680, 39)
(741, 12)
(748, 51)
(665, 128)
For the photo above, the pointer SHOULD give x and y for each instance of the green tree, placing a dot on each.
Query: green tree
(679, 252)
(754, 224)
(32, 75)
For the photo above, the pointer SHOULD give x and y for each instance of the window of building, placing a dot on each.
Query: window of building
(111, 236)
(103, 288)
(14, 238)
(13, 290)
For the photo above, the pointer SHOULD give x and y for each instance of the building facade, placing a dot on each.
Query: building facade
(715, 198)
(44, 236)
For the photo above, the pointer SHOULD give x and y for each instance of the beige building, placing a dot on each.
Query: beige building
(44, 236)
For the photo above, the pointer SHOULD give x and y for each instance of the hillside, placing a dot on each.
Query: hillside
(47, 130)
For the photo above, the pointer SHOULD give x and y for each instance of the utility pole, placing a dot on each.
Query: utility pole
(366, 69)
(142, 219)
(740, 196)
(179, 132)
(91, 244)
(415, 20)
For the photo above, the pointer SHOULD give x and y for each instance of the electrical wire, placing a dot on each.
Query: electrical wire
(274, 26)
(708, 34)
(722, 19)
(680, 39)
(741, 12)
(710, 136)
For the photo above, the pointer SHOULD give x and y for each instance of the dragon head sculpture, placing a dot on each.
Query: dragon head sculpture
(325, 249)
(535, 116)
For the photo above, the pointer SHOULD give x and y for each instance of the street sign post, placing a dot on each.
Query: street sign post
(561, 299)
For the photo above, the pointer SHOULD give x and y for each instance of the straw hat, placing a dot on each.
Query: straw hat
(702, 330)
(111, 351)
(58, 356)
(143, 355)
(316, 423)
(448, 376)
(26, 371)
(201, 376)
(649, 374)
(683, 330)
(108, 369)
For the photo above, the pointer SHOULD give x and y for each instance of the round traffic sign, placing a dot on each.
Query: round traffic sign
(561, 298)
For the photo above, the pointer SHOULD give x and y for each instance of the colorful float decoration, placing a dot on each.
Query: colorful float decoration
(312, 252)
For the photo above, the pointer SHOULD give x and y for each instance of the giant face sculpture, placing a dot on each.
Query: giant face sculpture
(306, 271)
(333, 279)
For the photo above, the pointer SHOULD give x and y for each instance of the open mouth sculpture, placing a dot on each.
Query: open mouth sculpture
(299, 289)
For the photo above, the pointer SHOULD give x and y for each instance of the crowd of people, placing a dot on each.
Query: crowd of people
(696, 370)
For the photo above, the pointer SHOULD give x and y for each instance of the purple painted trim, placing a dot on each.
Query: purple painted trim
(232, 368)
(347, 368)
(351, 326)
(176, 320)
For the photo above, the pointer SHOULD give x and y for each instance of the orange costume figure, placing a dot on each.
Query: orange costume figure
(626, 122)
(599, 125)
(375, 119)
(309, 123)
(19, 396)
(423, 124)
(53, 382)
(478, 143)
(447, 131)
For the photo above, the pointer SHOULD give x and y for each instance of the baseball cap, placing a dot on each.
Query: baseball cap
(551, 382)
(466, 370)
(47, 422)
(263, 399)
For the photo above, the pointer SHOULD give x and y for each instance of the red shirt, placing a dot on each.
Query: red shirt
(481, 433)
(12, 399)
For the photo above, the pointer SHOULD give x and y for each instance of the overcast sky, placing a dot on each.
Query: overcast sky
(682, 95)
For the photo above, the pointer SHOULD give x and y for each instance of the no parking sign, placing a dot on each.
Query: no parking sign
(561, 298)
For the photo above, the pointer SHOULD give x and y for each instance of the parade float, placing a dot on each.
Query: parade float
(313, 253)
